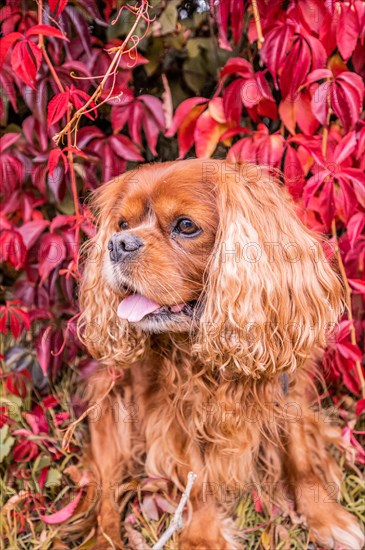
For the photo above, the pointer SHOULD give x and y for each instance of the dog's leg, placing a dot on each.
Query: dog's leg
(206, 529)
(313, 476)
(111, 451)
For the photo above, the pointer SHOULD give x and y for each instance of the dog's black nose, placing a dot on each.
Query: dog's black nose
(122, 245)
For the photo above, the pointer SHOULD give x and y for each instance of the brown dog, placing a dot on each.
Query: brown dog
(204, 286)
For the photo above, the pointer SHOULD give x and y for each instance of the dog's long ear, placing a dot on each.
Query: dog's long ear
(271, 295)
(106, 337)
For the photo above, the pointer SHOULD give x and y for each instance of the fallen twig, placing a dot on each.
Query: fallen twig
(176, 522)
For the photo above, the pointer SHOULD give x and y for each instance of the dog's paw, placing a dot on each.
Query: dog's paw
(108, 540)
(337, 529)
(203, 543)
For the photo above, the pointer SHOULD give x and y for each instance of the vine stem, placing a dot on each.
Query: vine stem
(256, 16)
(348, 291)
(69, 140)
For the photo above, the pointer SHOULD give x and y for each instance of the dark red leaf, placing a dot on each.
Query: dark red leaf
(30, 231)
(46, 30)
(124, 147)
(52, 252)
(57, 6)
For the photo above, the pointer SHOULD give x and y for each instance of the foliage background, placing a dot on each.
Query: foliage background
(279, 83)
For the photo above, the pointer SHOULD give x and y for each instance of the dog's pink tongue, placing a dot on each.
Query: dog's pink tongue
(135, 307)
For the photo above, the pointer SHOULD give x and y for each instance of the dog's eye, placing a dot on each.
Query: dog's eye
(186, 227)
(123, 224)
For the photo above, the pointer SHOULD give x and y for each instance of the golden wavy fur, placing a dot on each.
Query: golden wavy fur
(219, 379)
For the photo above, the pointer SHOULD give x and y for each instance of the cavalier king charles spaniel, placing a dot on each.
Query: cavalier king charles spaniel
(212, 301)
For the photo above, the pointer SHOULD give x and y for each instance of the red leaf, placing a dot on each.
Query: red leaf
(63, 514)
(79, 98)
(237, 17)
(185, 134)
(54, 157)
(46, 30)
(354, 227)
(237, 66)
(26, 59)
(358, 286)
(17, 383)
(215, 110)
(7, 140)
(347, 31)
(306, 120)
(6, 43)
(349, 351)
(295, 68)
(357, 178)
(51, 253)
(57, 107)
(12, 248)
(347, 94)
(232, 102)
(13, 318)
(182, 112)
(154, 107)
(316, 75)
(57, 6)
(347, 198)
(270, 150)
(222, 16)
(326, 202)
(311, 144)
(124, 148)
(275, 47)
(206, 135)
(360, 407)
(30, 231)
(345, 148)
(320, 103)
(293, 172)
(25, 451)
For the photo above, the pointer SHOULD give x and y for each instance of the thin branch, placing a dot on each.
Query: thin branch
(256, 16)
(140, 13)
(176, 522)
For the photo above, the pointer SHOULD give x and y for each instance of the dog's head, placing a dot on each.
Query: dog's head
(213, 250)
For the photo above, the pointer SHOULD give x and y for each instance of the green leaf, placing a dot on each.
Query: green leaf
(6, 442)
(53, 478)
(168, 19)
